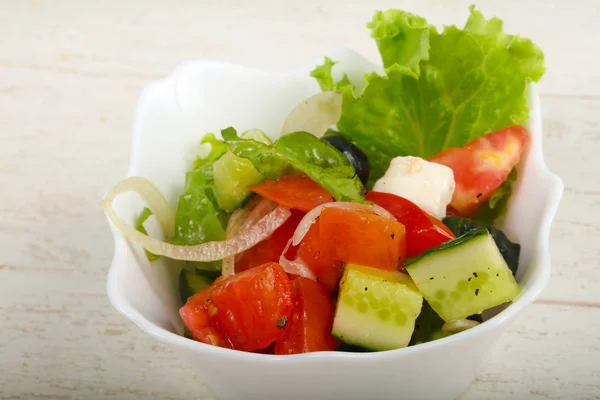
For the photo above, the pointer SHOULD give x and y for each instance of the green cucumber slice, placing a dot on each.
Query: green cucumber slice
(376, 309)
(464, 276)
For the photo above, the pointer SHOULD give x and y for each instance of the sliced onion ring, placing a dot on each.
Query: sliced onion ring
(211, 251)
(459, 325)
(297, 266)
(156, 202)
(264, 207)
(313, 214)
(240, 222)
(315, 114)
(236, 221)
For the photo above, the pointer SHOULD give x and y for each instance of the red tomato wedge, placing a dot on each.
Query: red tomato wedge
(246, 311)
(293, 191)
(482, 165)
(320, 258)
(271, 248)
(309, 328)
(363, 238)
(422, 230)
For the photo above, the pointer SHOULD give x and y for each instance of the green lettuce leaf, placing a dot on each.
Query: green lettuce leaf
(440, 90)
(323, 75)
(497, 205)
(139, 226)
(323, 163)
(198, 218)
(262, 155)
(402, 38)
(217, 149)
(301, 151)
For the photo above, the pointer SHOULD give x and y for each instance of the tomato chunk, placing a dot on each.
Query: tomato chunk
(320, 257)
(293, 191)
(363, 238)
(197, 321)
(271, 248)
(423, 231)
(309, 328)
(482, 165)
(246, 311)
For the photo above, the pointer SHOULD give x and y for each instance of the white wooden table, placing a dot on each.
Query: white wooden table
(70, 74)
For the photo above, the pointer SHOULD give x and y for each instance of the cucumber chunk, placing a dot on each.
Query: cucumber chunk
(376, 309)
(232, 175)
(464, 276)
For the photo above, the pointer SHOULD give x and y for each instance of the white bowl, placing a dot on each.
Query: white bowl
(204, 96)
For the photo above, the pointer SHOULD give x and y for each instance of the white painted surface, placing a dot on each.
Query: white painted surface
(70, 73)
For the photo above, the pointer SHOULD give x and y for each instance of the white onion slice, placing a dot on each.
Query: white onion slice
(240, 222)
(211, 251)
(264, 207)
(297, 266)
(156, 202)
(315, 114)
(313, 214)
(236, 221)
(459, 325)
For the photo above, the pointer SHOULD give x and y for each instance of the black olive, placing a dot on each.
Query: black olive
(353, 154)
(476, 318)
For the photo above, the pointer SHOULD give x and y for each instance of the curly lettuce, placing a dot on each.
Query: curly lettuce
(439, 90)
(402, 38)
(217, 149)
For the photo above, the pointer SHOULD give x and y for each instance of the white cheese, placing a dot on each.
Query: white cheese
(429, 185)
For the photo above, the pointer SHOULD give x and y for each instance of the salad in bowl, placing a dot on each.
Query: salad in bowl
(370, 220)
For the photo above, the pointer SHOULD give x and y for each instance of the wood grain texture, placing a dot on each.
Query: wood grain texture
(70, 74)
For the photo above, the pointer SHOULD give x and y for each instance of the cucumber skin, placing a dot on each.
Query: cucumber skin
(510, 251)
(447, 245)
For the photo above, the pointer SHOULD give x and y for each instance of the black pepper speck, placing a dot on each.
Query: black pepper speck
(282, 322)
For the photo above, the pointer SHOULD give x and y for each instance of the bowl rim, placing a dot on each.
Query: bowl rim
(539, 279)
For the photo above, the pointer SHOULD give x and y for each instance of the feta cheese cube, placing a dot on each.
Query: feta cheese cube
(429, 185)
